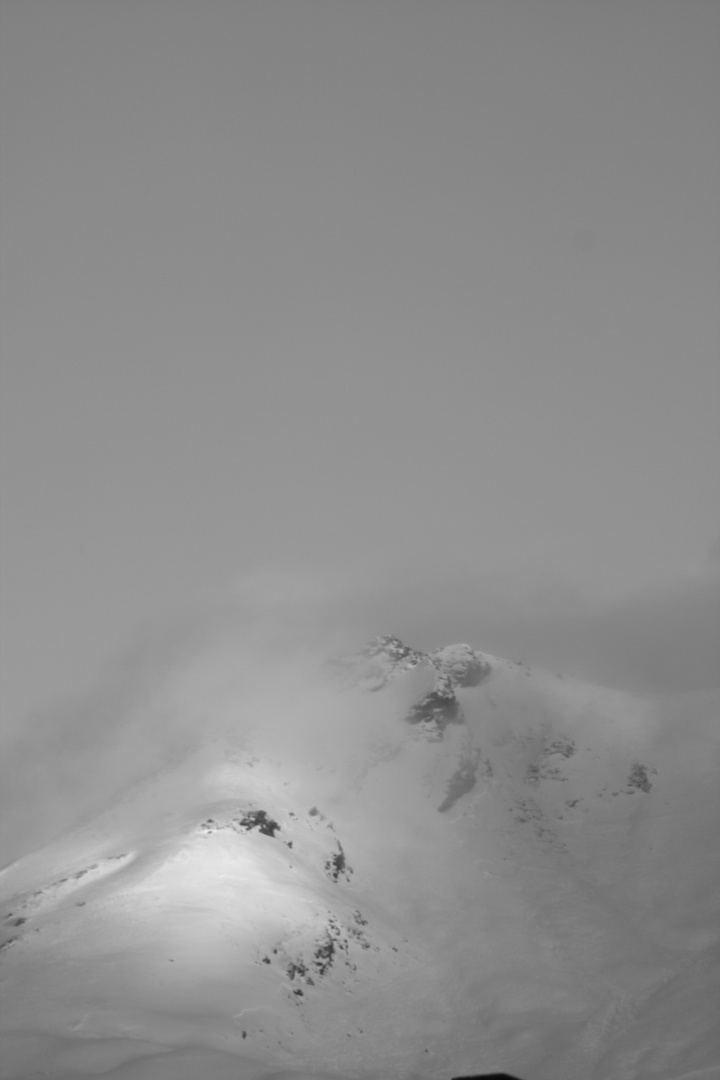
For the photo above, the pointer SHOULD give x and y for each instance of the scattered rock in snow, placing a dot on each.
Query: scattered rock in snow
(638, 779)
(561, 744)
(337, 865)
(259, 819)
(251, 819)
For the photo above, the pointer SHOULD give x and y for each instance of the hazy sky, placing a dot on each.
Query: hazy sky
(358, 286)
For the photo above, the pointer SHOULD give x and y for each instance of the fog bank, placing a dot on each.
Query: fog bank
(255, 654)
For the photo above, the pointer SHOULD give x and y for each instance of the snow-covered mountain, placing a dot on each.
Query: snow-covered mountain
(436, 864)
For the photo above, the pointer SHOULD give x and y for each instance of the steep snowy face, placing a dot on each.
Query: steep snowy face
(429, 865)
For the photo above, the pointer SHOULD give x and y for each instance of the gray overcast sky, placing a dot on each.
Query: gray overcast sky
(352, 285)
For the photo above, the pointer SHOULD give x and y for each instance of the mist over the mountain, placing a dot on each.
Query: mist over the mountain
(258, 650)
(660, 637)
(181, 680)
(359, 604)
(266, 843)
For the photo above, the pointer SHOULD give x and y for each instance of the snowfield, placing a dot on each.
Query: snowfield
(439, 865)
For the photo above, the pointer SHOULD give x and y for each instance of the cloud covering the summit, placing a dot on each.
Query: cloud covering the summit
(661, 637)
(255, 654)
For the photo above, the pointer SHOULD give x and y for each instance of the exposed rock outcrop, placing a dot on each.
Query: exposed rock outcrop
(454, 666)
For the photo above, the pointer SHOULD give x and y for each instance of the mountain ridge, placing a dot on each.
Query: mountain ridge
(445, 861)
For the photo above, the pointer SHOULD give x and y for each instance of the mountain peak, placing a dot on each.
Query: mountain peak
(433, 863)
(462, 664)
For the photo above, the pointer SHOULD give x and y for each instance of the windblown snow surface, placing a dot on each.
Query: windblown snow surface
(432, 865)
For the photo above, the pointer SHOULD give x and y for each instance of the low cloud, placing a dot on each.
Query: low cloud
(255, 655)
(661, 638)
(221, 664)
(657, 641)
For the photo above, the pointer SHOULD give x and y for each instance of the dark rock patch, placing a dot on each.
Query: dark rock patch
(337, 864)
(251, 819)
(638, 779)
(434, 712)
(259, 819)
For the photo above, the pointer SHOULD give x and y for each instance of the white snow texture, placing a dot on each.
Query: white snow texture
(395, 864)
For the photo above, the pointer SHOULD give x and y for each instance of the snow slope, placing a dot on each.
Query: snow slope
(441, 864)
